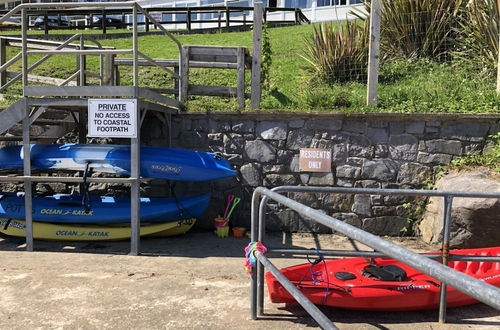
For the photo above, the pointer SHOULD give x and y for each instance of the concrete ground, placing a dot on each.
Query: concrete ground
(195, 281)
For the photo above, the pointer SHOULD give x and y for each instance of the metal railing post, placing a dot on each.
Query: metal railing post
(254, 237)
(135, 149)
(373, 53)
(448, 200)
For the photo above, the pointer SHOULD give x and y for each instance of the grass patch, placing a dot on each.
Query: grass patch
(417, 86)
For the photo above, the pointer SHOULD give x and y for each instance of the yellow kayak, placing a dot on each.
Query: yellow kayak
(76, 232)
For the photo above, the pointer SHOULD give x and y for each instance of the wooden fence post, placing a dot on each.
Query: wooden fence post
(374, 53)
(3, 60)
(240, 90)
(184, 74)
(498, 64)
(256, 56)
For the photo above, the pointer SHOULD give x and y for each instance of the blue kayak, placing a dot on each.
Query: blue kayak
(156, 162)
(101, 209)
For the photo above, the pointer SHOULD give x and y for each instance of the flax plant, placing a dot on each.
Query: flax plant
(418, 28)
(479, 30)
(338, 53)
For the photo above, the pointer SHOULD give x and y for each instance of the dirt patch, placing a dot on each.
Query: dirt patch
(195, 281)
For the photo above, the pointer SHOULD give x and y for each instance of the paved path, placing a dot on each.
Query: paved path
(195, 281)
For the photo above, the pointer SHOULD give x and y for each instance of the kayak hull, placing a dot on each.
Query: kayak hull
(156, 162)
(418, 292)
(83, 233)
(102, 209)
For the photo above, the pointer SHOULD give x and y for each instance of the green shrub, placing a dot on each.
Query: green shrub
(338, 53)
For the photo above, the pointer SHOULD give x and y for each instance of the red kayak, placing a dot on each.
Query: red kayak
(383, 285)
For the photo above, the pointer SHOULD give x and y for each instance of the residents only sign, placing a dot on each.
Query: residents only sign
(112, 118)
(315, 160)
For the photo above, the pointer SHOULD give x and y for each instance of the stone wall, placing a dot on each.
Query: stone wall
(371, 151)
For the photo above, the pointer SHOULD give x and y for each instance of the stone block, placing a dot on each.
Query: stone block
(441, 146)
(251, 174)
(271, 130)
(377, 135)
(298, 123)
(243, 126)
(416, 127)
(233, 143)
(464, 130)
(414, 174)
(321, 179)
(260, 151)
(403, 147)
(348, 171)
(380, 169)
(354, 126)
(275, 180)
(362, 205)
(385, 225)
(299, 139)
(324, 124)
(435, 159)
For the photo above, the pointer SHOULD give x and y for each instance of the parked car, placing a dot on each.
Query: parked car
(110, 22)
(52, 22)
(11, 23)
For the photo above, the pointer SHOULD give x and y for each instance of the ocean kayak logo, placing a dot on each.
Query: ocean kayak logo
(166, 168)
(413, 287)
(11, 223)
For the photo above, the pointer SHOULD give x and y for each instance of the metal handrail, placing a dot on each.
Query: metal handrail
(470, 286)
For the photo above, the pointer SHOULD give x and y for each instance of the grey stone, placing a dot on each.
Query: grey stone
(349, 218)
(433, 124)
(299, 139)
(284, 157)
(192, 139)
(233, 143)
(271, 130)
(324, 124)
(378, 124)
(414, 173)
(299, 123)
(259, 150)
(403, 147)
(274, 180)
(377, 200)
(385, 225)
(215, 142)
(214, 126)
(355, 161)
(339, 151)
(381, 151)
(360, 146)
(362, 205)
(235, 159)
(354, 126)
(304, 177)
(473, 148)
(336, 202)
(200, 125)
(279, 169)
(443, 147)
(377, 135)
(346, 183)
(367, 184)
(348, 171)
(416, 127)
(380, 169)
(243, 126)
(437, 159)
(251, 174)
(321, 179)
(383, 210)
(474, 221)
(294, 164)
(397, 127)
(464, 130)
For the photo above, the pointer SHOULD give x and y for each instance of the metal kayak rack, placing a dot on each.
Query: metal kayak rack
(477, 289)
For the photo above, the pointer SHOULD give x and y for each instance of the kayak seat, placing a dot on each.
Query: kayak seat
(345, 276)
(389, 273)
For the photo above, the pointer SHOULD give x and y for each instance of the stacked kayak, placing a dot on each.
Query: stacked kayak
(384, 285)
(72, 217)
(156, 162)
(103, 210)
(78, 232)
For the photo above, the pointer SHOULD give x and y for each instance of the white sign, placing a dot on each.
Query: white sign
(112, 118)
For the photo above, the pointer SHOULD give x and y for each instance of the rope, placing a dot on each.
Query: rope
(250, 260)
